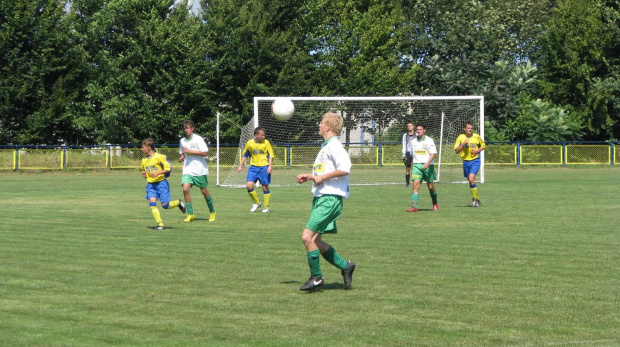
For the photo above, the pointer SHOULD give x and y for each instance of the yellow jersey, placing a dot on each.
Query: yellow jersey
(475, 142)
(156, 162)
(259, 152)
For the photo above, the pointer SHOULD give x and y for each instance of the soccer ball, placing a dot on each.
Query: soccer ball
(282, 109)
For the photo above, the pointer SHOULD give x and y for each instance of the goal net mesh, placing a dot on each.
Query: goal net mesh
(372, 133)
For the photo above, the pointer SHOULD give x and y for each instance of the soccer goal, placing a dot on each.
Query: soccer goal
(372, 134)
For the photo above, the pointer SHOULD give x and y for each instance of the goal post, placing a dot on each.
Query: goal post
(372, 134)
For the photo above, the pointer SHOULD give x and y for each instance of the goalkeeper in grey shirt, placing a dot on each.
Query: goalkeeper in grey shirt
(407, 157)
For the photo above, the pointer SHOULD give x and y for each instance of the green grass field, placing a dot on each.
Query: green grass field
(537, 265)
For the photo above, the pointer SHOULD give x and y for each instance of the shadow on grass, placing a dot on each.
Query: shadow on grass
(155, 228)
(327, 286)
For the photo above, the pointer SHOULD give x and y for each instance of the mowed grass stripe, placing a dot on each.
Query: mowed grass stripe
(537, 264)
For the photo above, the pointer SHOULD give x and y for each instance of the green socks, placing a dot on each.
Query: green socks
(415, 197)
(210, 204)
(335, 259)
(434, 197)
(313, 262)
(330, 255)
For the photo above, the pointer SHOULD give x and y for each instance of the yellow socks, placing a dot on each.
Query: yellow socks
(267, 197)
(254, 196)
(156, 215)
(474, 193)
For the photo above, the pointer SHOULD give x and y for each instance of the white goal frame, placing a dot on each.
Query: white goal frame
(259, 106)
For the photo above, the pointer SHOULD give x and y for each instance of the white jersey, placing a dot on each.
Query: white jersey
(422, 150)
(332, 157)
(194, 165)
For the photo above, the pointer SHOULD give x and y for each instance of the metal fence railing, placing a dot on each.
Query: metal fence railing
(129, 156)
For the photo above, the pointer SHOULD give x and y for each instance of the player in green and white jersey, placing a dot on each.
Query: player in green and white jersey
(193, 150)
(330, 176)
(424, 151)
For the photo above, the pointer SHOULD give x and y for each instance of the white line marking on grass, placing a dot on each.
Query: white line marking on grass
(585, 342)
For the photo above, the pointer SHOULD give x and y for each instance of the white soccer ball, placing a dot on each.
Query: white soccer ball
(282, 109)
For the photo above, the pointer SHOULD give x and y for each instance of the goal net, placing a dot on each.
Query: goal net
(372, 133)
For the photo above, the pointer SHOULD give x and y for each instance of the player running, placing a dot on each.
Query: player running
(155, 168)
(193, 150)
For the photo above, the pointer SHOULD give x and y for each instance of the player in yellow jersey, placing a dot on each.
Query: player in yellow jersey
(155, 168)
(261, 158)
(469, 145)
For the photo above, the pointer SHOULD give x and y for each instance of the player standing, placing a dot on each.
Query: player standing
(155, 168)
(330, 176)
(261, 158)
(407, 157)
(423, 149)
(193, 150)
(469, 145)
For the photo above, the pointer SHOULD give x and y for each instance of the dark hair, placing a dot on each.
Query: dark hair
(149, 142)
(421, 125)
(188, 122)
(258, 129)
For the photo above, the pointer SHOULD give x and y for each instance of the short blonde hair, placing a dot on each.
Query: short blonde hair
(334, 120)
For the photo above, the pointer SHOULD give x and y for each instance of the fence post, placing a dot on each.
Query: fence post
(380, 159)
(16, 159)
(563, 154)
(64, 158)
(109, 157)
(518, 154)
(288, 155)
(611, 154)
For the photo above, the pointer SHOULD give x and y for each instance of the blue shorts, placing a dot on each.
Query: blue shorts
(259, 173)
(471, 167)
(159, 190)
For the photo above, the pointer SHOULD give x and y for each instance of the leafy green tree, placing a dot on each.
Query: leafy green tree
(501, 84)
(477, 47)
(358, 51)
(604, 101)
(259, 49)
(480, 31)
(39, 65)
(357, 47)
(540, 121)
(578, 60)
(150, 71)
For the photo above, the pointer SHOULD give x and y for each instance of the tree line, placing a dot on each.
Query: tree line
(85, 72)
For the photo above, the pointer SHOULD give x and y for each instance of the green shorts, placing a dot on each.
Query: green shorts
(419, 174)
(325, 210)
(198, 181)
